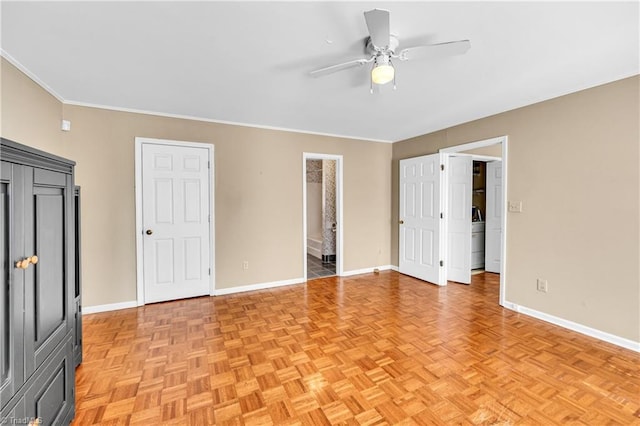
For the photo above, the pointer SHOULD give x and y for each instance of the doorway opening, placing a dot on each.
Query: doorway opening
(322, 193)
(486, 212)
(489, 206)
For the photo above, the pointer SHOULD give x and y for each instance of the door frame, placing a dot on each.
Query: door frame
(339, 216)
(503, 140)
(139, 142)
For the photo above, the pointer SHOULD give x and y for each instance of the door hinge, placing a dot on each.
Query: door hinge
(442, 167)
(208, 164)
(442, 263)
(441, 215)
(209, 271)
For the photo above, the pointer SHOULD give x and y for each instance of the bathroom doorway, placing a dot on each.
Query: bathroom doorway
(322, 215)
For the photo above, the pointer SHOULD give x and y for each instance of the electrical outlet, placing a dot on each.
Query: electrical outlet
(245, 265)
(515, 206)
(542, 285)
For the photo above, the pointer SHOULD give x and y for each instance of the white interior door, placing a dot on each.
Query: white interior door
(493, 225)
(420, 223)
(175, 221)
(460, 185)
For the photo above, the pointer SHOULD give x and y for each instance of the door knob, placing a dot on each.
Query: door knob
(149, 232)
(401, 222)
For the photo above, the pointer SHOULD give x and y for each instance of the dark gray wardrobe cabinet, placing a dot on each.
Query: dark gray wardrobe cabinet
(38, 297)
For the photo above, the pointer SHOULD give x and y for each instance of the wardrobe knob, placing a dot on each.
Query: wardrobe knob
(149, 232)
(24, 263)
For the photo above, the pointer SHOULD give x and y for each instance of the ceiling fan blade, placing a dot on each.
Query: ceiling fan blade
(378, 24)
(338, 67)
(438, 50)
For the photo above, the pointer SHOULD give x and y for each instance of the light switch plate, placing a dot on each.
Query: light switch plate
(515, 206)
(541, 285)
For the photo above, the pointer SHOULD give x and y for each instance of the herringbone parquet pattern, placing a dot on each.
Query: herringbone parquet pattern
(371, 349)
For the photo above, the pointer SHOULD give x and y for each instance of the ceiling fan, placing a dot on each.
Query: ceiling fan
(381, 45)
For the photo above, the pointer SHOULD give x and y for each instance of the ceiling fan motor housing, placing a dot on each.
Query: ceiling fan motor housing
(390, 49)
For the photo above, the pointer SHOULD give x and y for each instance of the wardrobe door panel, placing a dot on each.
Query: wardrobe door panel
(46, 286)
(49, 178)
(11, 281)
(5, 319)
(49, 396)
(50, 284)
(6, 329)
(15, 411)
(77, 328)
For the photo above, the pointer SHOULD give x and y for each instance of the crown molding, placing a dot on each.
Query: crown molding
(64, 101)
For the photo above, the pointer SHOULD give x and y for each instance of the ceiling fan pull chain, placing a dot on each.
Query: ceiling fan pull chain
(394, 76)
(375, 62)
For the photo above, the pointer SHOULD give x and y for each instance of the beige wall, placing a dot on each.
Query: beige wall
(573, 161)
(491, 151)
(28, 112)
(258, 190)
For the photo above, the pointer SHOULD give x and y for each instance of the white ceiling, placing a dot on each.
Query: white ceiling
(248, 62)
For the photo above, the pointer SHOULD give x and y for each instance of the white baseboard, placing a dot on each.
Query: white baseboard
(394, 268)
(273, 284)
(109, 307)
(216, 292)
(366, 270)
(232, 290)
(315, 252)
(259, 286)
(574, 326)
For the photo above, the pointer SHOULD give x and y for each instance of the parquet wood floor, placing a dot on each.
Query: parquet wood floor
(364, 350)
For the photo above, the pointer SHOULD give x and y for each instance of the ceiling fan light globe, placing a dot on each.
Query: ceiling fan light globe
(382, 74)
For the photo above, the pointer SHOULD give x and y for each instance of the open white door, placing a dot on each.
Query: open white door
(460, 183)
(493, 227)
(420, 224)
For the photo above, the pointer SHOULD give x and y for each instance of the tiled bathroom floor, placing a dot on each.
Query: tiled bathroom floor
(317, 269)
